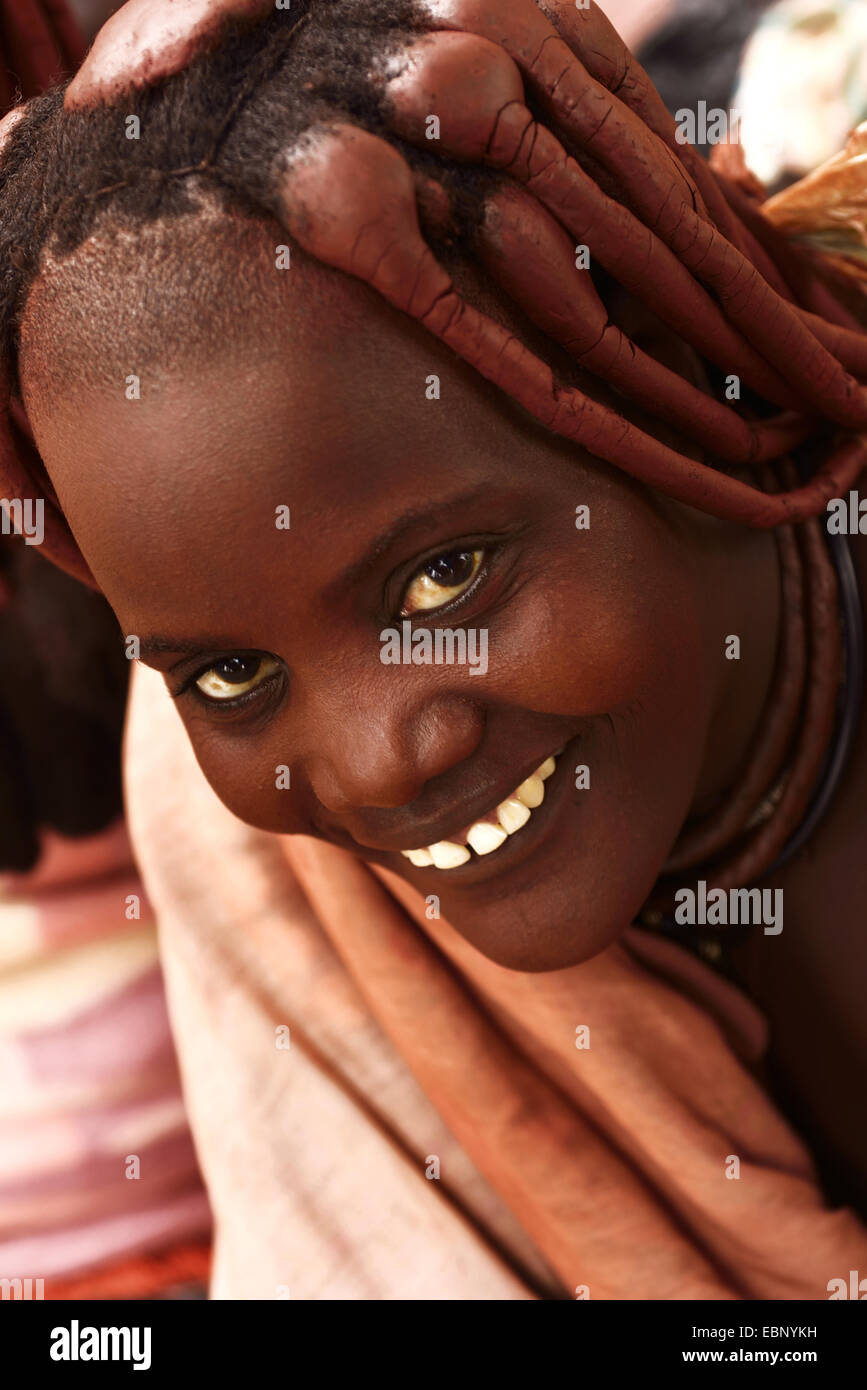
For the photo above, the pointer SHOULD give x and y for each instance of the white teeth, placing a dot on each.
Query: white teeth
(447, 855)
(485, 836)
(512, 814)
(531, 792)
(420, 857)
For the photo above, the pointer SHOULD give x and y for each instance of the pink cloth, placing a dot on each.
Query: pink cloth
(88, 1076)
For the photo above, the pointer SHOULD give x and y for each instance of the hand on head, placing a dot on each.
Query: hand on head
(147, 40)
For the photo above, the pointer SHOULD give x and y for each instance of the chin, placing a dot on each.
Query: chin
(549, 931)
(561, 890)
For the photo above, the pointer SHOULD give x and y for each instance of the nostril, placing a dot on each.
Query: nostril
(345, 789)
(447, 733)
(381, 763)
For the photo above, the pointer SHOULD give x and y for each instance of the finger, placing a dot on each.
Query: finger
(148, 40)
(376, 237)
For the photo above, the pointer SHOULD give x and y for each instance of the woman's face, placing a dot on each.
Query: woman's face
(603, 643)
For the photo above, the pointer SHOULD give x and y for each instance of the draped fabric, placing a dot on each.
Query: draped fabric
(96, 1159)
(382, 1113)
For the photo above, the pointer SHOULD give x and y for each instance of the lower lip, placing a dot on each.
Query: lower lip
(482, 868)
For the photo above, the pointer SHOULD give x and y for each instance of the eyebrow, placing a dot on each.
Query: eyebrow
(426, 514)
(185, 646)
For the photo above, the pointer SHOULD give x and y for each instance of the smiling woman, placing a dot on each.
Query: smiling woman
(383, 266)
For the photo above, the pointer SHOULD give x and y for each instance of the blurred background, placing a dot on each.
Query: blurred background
(100, 1194)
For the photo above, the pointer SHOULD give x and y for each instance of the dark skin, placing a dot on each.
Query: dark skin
(608, 641)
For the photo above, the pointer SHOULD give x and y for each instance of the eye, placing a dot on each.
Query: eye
(234, 676)
(441, 579)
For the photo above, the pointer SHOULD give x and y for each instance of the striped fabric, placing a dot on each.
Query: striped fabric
(96, 1160)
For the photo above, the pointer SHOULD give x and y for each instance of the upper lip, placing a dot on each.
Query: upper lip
(419, 834)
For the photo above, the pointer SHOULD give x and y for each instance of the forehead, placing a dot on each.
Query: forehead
(175, 419)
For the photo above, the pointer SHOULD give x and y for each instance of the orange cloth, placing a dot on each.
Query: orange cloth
(179, 1269)
(432, 1131)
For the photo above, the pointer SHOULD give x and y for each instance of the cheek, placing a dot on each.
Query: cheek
(600, 636)
(249, 774)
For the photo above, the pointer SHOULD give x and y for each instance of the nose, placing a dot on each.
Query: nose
(378, 748)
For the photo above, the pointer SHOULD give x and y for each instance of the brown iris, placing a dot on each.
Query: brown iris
(233, 676)
(441, 579)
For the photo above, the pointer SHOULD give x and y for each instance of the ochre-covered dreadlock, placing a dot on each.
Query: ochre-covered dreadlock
(660, 241)
(546, 97)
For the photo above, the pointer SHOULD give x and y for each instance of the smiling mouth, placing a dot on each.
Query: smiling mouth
(492, 830)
